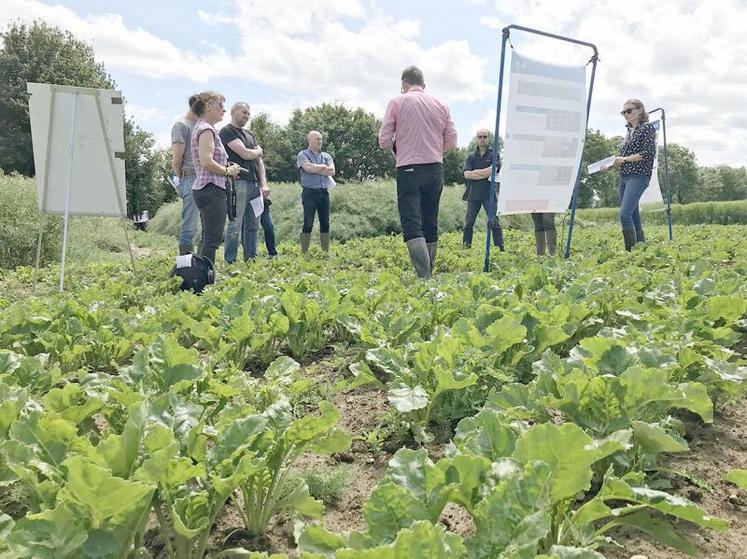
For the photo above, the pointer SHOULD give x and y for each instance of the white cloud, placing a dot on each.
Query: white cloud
(345, 50)
(121, 48)
(687, 56)
(142, 113)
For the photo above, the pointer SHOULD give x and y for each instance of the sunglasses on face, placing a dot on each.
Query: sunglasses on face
(627, 111)
(481, 137)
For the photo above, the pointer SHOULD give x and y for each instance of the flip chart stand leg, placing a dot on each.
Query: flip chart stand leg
(494, 165)
(114, 180)
(577, 186)
(38, 252)
(69, 189)
(44, 191)
(666, 173)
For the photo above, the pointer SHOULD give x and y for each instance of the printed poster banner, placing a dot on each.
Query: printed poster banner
(544, 137)
(653, 194)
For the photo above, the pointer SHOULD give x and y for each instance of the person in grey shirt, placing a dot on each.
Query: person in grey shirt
(317, 169)
(184, 173)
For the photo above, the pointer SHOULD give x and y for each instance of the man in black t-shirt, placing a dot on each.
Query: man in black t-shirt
(242, 149)
(477, 169)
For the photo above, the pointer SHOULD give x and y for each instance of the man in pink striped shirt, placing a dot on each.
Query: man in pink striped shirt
(423, 130)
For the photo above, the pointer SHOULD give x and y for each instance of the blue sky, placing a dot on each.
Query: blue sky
(684, 55)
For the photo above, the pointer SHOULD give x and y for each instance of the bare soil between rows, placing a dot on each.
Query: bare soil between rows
(715, 449)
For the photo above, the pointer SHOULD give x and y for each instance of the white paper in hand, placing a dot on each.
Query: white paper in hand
(258, 206)
(601, 165)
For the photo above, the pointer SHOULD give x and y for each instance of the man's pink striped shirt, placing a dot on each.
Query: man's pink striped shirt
(422, 126)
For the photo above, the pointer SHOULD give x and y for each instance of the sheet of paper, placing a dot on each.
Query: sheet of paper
(174, 182)
(184, 261)
(258, 206)
(544, 136)
(601, 165)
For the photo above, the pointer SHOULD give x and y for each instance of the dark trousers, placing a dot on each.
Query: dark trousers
(419, 190)
(211, 202)
(473, 208)
(315, 200)
(268, 227)
(544, 222)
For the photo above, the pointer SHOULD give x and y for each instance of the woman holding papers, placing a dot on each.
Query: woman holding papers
(636, 162)
(211, 170)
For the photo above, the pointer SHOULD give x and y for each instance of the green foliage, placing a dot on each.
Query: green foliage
(559, 378)
(350, 137)
(454, 166)
(20, 220)
(41, 54)
(329, 483)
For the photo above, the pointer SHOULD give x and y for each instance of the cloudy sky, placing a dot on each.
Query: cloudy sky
(689, 56)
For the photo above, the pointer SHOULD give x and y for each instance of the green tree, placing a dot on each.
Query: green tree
(683, 174)
(599, 189)
(143, 170)
(42, 54)
(278, 155)
(350, 137)
(723, 183)
(454, 165)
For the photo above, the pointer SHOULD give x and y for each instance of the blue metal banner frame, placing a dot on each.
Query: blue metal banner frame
(491, 199)
(666, 167)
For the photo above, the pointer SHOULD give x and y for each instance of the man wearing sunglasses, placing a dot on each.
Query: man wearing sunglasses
(424, 131)
(477, 169)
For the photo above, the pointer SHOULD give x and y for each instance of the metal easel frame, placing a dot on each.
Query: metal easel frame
(666, 167)
(491, 200)
(76, 91)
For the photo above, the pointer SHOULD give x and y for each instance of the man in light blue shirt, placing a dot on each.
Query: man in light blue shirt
(317, 169)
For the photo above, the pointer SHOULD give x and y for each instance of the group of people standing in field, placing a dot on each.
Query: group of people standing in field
(416, 126)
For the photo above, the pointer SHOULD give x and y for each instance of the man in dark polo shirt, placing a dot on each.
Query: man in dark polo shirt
(242, 149)
(477, 170)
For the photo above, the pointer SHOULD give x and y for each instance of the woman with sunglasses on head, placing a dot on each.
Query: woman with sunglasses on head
(211, 169)
(636, 162)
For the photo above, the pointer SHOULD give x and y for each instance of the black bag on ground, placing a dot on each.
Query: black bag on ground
(195, 276)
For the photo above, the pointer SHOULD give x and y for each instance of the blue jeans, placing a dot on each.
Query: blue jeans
(269, 228)
(631, 190)
(190, 213)
(245, 192)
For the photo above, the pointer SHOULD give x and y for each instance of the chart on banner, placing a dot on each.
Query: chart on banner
(652, 194)
(544, 136)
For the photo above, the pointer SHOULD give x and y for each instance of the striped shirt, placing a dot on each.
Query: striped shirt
(219, 155)
(422, 126)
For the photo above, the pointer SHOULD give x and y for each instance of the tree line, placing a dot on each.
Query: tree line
(39, 53)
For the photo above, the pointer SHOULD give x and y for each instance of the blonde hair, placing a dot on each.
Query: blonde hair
(638, 104)
(204, 99)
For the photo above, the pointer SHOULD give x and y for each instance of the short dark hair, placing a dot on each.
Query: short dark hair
(413, 75)
(192, 99)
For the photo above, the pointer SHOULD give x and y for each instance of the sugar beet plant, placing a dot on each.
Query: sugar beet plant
(564, 386)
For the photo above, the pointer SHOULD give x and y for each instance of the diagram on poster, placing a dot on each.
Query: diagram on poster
(78, 141)
(544, 137)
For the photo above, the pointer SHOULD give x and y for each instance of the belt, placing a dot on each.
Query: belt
(186, 173)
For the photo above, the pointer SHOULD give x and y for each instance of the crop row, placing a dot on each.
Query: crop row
(129, 402)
